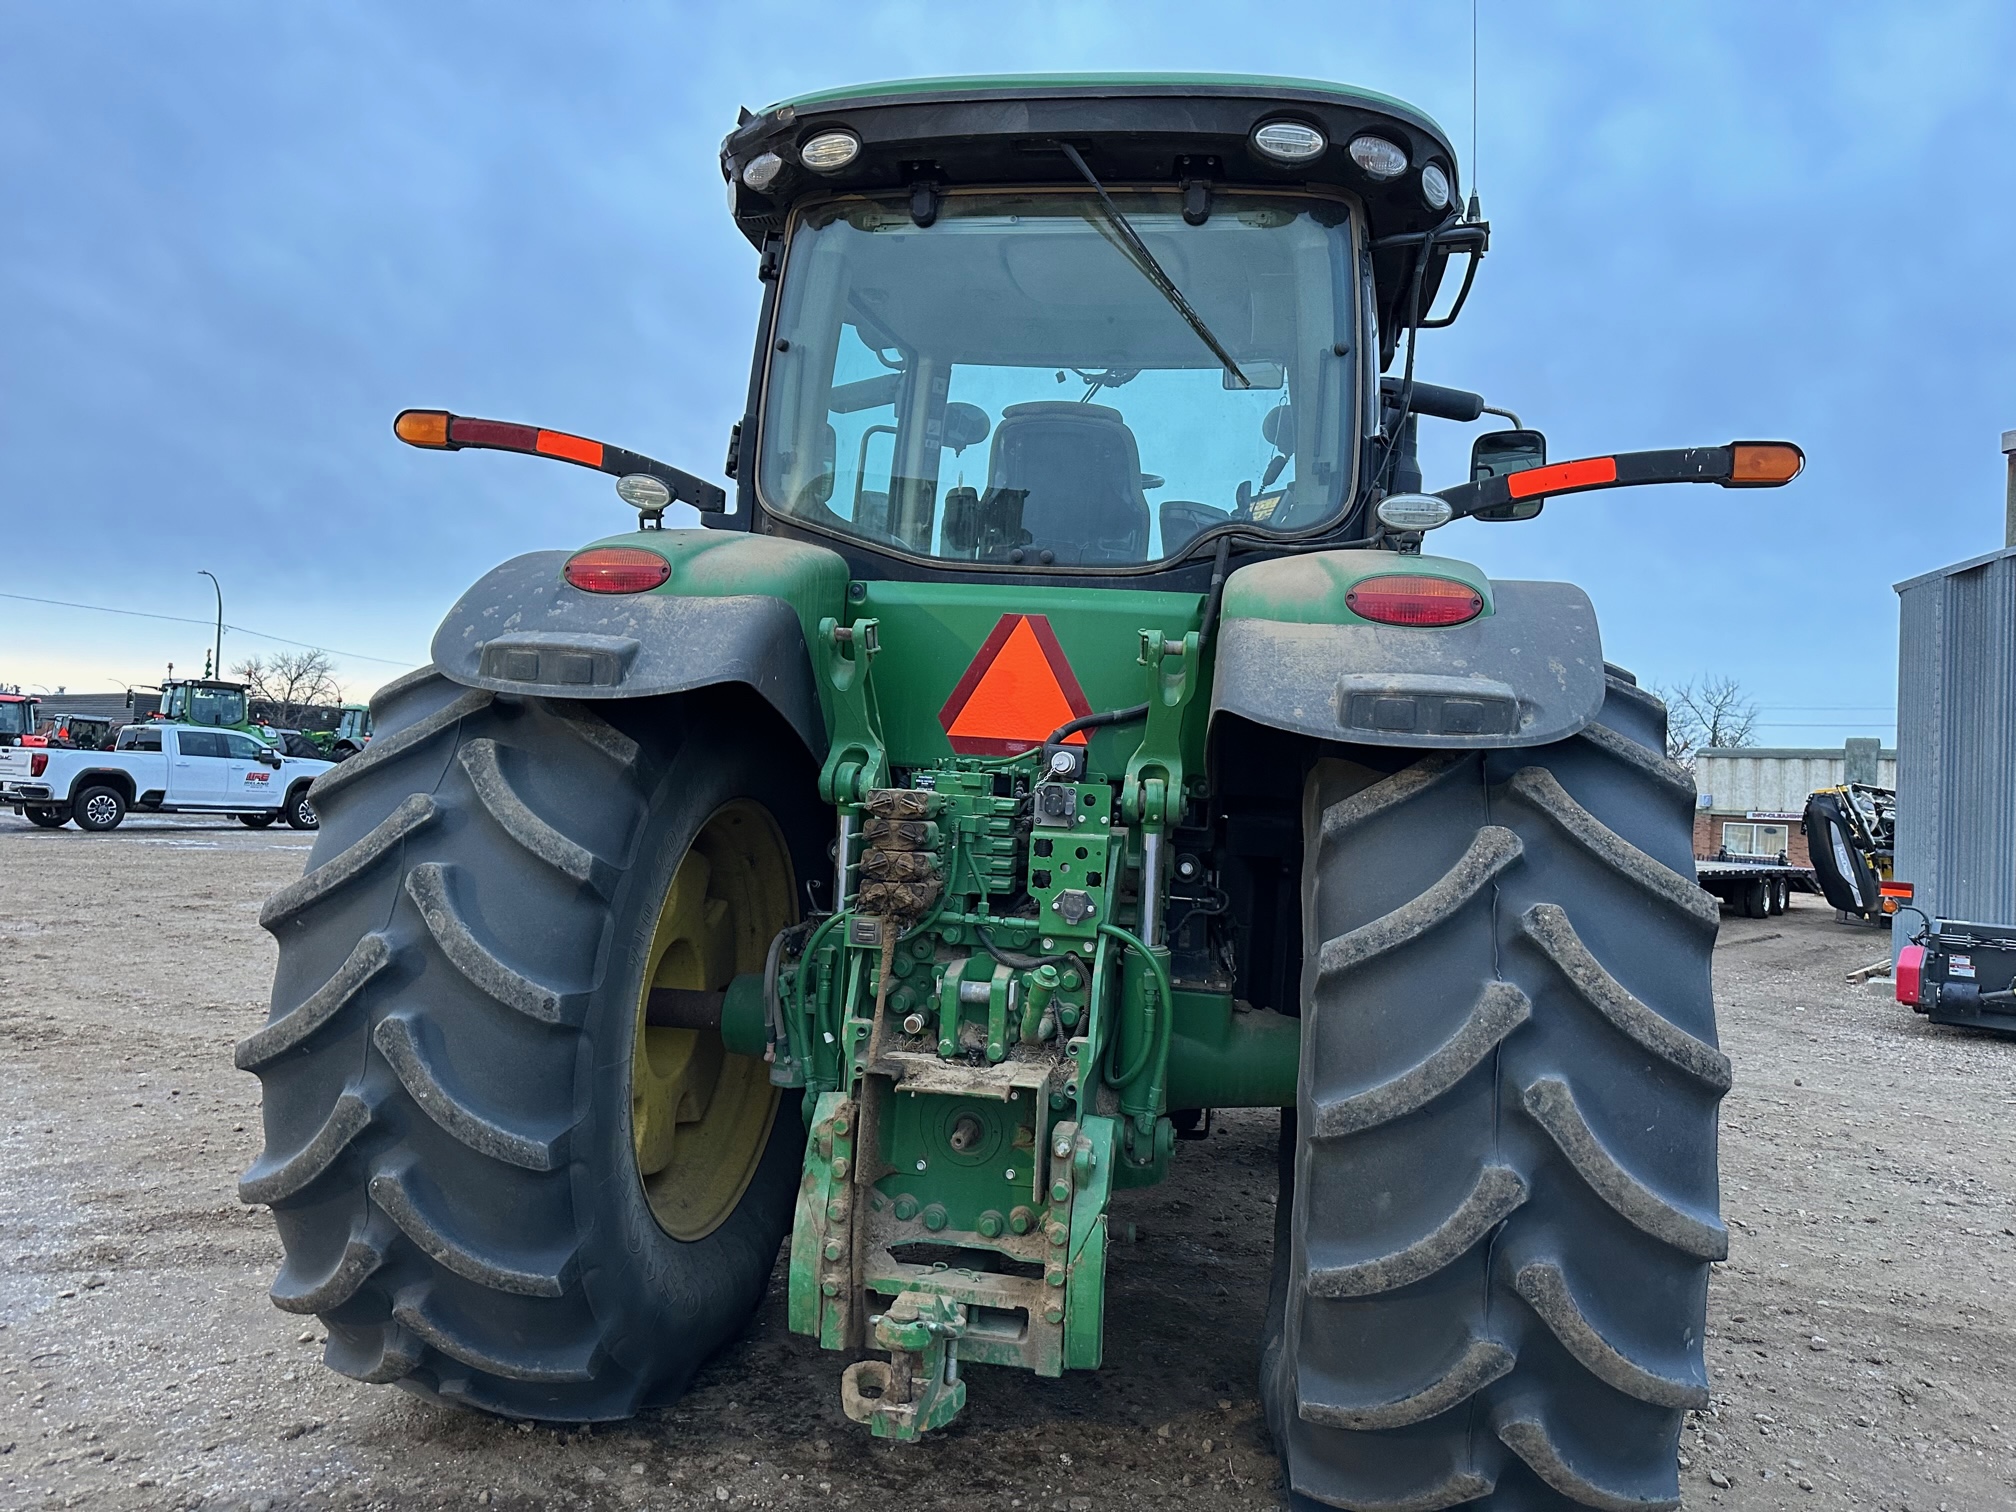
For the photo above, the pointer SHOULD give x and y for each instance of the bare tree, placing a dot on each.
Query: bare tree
(291, 681)
(1713, 713)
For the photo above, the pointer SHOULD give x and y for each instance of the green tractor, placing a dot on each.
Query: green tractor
(352, 732)
(206, 701)
(337, 733)
(1063, 735)
(223, 705)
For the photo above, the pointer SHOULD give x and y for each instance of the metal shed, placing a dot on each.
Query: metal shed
(1956, 739)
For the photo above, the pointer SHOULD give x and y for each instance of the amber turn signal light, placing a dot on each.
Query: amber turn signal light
(1411, 599)
(422, 428)
(616, 569)
(1764, 464)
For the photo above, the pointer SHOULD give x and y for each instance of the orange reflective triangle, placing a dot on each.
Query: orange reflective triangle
(1018, 689)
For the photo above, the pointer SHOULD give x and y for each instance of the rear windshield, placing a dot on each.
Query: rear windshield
(1010, 384)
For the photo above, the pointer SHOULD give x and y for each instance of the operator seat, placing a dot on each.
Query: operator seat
(1078, 471)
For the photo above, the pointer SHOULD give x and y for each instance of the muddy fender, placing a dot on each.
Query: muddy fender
(523, 629)
(1527, 673)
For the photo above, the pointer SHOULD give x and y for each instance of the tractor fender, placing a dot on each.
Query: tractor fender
(524, 629)
(1526, 673)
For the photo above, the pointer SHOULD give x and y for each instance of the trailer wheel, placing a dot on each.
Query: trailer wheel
(1499, 1198)
(46, 818)
(492, 1181)
(1781, 892)
(259, 820)
(1757, 899)
(98, 808)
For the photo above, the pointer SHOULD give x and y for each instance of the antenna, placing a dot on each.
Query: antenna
(1475, 211)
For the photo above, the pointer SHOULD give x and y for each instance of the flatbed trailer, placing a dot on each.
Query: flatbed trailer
(1757, 889)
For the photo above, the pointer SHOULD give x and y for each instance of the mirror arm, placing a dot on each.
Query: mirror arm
(437, 430)
(686, 488)
(1690, 464)
(1464, 238)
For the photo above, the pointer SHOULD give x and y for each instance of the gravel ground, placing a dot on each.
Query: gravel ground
(1858, 1339)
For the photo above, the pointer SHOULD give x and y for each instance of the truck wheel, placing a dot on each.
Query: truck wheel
(98, 808)
(259, 820)
(46, 818)
(301, 809)
(492, 1182)
(1500, 1192)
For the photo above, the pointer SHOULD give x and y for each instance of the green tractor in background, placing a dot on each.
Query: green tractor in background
(337, 733)
(222, 705)
(352, 732)
(1064, 734)
(208, 701)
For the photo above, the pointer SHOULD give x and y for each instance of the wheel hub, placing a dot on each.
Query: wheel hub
(700, 1117)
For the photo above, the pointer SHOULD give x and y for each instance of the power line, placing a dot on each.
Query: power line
(183, 619)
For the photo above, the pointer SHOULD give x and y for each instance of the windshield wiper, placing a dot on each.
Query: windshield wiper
(1137, 253)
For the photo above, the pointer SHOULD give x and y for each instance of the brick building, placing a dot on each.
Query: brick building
(1751, 798)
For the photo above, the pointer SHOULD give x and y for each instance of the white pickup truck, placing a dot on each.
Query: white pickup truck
(159, 769)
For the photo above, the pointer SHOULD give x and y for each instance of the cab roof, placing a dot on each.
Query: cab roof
(1166, 129)
(1019, 86)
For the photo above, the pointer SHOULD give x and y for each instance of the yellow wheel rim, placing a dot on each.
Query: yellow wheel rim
(699, 1116)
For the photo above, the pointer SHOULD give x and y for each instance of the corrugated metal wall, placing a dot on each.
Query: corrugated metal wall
(1753, 779)
(1956, 739)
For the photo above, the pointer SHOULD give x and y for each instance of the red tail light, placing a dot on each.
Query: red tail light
(1910, 974)
(1410, 599)
(38, 763)
(616, 569)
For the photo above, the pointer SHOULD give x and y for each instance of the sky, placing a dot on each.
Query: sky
(237, 238)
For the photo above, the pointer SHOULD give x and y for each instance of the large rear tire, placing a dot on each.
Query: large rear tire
(471, 1188)
(1502, 1202)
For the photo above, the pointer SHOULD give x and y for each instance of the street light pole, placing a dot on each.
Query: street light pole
(217, 657)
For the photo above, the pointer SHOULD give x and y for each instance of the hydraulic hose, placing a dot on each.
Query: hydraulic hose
(1015, 959)
(798, 976)
(1160, 1025)
(1095, 721)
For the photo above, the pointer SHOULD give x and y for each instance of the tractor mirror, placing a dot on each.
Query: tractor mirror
(962, 519)
(1497, 453)
(965, 425)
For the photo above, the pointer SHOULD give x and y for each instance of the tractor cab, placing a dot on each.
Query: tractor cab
(204, 701)
(18, 719)
(1058, 326)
